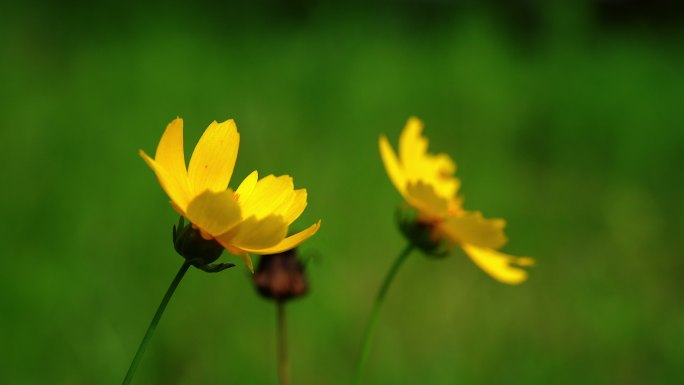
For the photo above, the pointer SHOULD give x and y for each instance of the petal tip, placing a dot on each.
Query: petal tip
(230, 123)
(414, 124)
(525, 261)
(414, 119)
(248, 262)
(146, 157)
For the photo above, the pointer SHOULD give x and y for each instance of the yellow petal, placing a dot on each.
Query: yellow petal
(213, 159)
(438, 170)
(418, 165)
(472, 228)
(412, 145)
(499, 266)
(248, 261)
(271, 196)
(247, 186)
(423, 197)
(297, 207)
(456, 206)
(392, 166)
(177, 190)
(214, 212)
(526, 261)
(240, 253)
(255, 234)
(170, 153)
(290, 242)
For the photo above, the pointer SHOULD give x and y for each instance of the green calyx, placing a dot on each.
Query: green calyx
(421, 235)
(200, 252)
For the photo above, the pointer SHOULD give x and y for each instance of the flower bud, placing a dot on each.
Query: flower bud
(280, 277)
(190, 244)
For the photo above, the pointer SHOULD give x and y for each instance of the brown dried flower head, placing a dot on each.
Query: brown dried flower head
(280, 277)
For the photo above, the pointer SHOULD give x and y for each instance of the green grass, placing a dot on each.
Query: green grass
(576, 140)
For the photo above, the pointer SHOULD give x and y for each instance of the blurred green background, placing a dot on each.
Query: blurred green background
(564, 119)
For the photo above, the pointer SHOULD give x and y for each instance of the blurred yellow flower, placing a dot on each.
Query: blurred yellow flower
(252, 219)
(428, 184)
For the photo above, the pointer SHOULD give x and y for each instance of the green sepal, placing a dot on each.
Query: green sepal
(420, 234)
(200, 252)
(215, 268)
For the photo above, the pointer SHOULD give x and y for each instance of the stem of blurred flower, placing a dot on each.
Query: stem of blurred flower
(155, 320)
(283, 365)
(373, 320)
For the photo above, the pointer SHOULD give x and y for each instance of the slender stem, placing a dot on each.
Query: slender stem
(373, 320)
(155, 321)
(283, 365)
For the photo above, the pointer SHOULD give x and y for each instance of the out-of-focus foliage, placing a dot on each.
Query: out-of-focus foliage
(565, 120)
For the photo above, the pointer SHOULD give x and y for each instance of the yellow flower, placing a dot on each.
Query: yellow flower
(252, 219)
(428, 184)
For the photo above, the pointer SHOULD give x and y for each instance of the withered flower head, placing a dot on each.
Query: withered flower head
(281, 277)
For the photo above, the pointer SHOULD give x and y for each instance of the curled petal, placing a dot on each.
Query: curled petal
(290, 242)
(214, 212)
(500, 266)
(472, 228)
(213, 159)
(255, 234)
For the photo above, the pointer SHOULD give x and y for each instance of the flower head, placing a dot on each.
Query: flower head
(281, 277)
(254, 218)
(428, 184)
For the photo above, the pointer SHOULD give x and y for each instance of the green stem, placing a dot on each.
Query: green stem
(155, 321)
(373, 320)
(283, 366)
